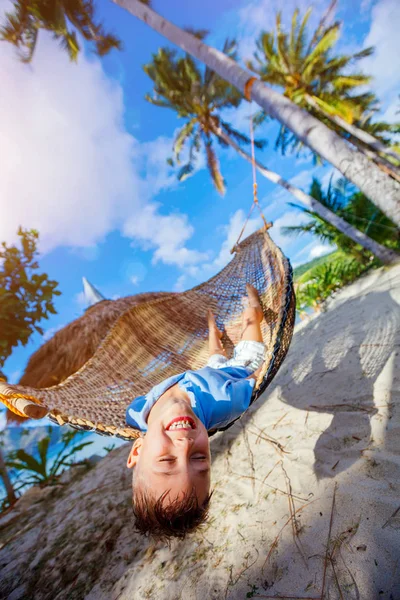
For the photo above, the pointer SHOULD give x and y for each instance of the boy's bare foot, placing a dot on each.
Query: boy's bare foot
(253, 300)
(212, 325)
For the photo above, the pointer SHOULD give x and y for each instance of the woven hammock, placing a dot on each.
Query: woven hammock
(166, 335)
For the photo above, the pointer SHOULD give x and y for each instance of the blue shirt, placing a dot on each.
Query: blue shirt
(217, 396)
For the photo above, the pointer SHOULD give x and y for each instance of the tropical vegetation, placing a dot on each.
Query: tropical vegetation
(199, 96)
(43, 470)
(39, 468)
(317, 281)
(26, 297)
(63, 18)
(320, 282)
(354, 207)
(313, 74)
(376, 184)
(300, 270)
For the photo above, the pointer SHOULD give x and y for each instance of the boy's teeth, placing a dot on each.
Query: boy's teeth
(180, 425)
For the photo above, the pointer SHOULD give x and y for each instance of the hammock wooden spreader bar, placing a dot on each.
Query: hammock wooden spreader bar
(167, 335)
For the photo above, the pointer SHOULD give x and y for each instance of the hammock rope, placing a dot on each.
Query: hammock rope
(247, 92)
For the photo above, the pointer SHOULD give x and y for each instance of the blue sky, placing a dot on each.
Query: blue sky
(84, 157)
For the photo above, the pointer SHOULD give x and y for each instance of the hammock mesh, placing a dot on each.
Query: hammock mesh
(169, 334)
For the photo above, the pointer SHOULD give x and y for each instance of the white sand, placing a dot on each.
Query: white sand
(334, 407)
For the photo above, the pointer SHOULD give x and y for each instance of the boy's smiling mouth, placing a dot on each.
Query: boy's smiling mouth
(179, 423)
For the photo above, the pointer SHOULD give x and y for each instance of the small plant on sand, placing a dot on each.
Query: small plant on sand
(252, 592)
(30, 470)
(110, 448)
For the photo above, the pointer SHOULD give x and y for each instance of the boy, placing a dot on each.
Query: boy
(171, 463)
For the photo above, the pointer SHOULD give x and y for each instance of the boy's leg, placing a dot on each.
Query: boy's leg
(252, 317)
(214, 337)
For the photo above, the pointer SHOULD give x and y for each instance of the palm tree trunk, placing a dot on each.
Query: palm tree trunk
(12, 498)
(363, 136)
(385, 255)
(383, 164)
(376, 185)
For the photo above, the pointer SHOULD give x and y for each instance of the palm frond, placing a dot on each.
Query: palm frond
(350, 81)
(300, 43)
(182, 136)
(241, 138)
(214, 169)
(22, 27)
(69, 43)
(364, 53)
(322, 24)
(185, 171)
(293, 32)
(296, 230)
(200, 34)
(324, 44)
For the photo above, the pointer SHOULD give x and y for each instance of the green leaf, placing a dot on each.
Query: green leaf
(183, 134)
(185, 171)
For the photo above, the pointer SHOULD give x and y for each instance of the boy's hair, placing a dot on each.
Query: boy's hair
(181, 516)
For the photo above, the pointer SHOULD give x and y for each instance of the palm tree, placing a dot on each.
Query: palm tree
(355, 208)
(22, 27)
(198, 97)
(381, 189)
(181, 86)
(317, 79)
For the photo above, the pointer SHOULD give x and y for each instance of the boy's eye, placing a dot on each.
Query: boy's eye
(199, 457)
(167, 459)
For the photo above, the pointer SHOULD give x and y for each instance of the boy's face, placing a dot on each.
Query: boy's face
(173, 456)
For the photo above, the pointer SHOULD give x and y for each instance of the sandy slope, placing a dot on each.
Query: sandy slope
(334, 408)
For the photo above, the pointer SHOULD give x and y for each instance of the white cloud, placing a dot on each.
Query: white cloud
(167, 234)
(384, 35)
(232, 231)
(292, 217)
(69, 167)
(3, 419)
(180, 283)
(205, 269)
(312, 250)
(320, 250)
(66, 159)
(134, 279)
(273, 202)
(259, 16)
(51, 331)
(239, 118)
(80, 299)
(153, 157)
(90, 253)
(391, 114)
